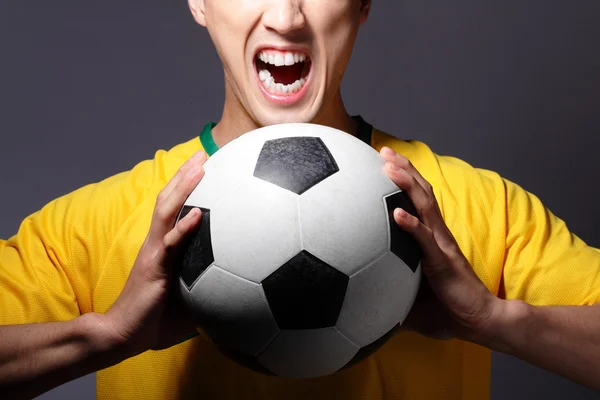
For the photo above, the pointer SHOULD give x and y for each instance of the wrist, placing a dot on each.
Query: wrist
(507, 325)
(103, 339)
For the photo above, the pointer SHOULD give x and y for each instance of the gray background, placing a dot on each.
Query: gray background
(88, 89)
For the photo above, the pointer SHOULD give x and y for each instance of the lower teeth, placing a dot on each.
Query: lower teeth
(279, 88)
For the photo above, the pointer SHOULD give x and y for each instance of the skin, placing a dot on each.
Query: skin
(561, 339)
(326, 29)
(453, 303)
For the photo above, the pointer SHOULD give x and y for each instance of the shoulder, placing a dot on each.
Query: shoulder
(128, 188)
(452, 178)
(96, 211)
(472, 202)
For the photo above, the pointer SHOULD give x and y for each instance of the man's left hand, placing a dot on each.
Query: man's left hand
(452, 301)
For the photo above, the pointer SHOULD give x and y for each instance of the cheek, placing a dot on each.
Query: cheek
(229, 30)
(337, 23)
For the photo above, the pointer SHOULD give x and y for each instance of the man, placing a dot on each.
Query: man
(85, 283)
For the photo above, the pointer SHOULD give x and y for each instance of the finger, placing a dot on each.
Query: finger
(408, 182)
(434, 260)
(397, 159)
(420, 192)
(198, 158)
(182, 228)
(166, 212)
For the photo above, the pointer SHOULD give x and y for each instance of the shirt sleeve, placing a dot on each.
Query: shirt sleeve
(36, 281)
(49, 268)
(545, 263)
(517, 246)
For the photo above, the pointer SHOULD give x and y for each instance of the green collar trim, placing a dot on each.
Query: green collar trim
(206, 138)
(365, 132)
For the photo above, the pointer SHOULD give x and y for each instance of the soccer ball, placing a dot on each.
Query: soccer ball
(297, 268)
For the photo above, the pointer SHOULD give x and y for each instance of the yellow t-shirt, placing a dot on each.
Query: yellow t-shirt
(74, 256)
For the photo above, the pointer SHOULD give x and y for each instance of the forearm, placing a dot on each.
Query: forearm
(564, 340)
(35, 358)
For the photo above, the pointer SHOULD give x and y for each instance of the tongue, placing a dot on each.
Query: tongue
(287, 74)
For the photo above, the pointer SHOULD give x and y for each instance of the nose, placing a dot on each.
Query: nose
(284, 16)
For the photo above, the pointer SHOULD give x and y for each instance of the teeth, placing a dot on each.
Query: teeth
(279, 88)
(289, 59)
(264, 74)
(280, 59)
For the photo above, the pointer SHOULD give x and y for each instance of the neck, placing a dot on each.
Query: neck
(236, 121)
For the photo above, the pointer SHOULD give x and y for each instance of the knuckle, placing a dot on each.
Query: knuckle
(406, 179)
(147, 257)
(172, 237)
(429, 205)
(160, 199)
(162, 214)
(182, 186)
(428, 233)
(428, 188)
(413, 181)
(404, 162)
(167, 241)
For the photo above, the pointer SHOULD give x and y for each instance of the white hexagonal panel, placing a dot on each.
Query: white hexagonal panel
(237, 158)
(377, 298)
(185, 293)
(344, 226)
(215, 185)
(351, 153)
(237, 310)
(255, 230)
(307, 353)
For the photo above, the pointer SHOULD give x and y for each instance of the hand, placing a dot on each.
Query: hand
(146, 315)
(452, 302)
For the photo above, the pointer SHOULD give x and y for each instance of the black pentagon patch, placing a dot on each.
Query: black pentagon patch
(372, 348)
(403, 244)
(305, 293)
(196, 251)
(295, 163)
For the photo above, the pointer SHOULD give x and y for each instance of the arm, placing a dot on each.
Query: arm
(37, 353)
(561, 339)
(551, 283)
(35, 358)
(546, 314)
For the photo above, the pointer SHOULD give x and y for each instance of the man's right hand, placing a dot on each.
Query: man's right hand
(144, 317)
(35, 358)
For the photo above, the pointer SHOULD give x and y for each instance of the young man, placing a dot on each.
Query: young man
(84, 284)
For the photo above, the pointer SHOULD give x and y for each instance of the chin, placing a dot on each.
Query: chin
(275, 117)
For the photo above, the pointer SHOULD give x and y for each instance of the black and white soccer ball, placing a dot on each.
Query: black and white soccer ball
(297, 268)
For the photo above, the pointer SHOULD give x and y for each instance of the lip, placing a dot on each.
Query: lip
(283, 99)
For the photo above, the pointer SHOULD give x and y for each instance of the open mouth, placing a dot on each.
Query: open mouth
(282, 72)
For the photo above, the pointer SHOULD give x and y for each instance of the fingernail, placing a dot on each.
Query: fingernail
(390, 151)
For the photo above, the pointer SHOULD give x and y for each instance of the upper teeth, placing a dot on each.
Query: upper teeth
(279, 59)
